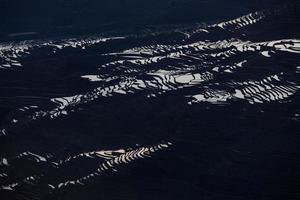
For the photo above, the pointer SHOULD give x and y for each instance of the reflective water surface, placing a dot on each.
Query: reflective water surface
(208, 112)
